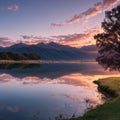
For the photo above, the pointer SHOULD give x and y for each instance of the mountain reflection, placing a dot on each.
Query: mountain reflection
(18, 66)
(24, 98)
(51, 71)
(31, 90)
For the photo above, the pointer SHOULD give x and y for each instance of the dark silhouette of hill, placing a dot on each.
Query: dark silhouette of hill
(18, 56)
(54, 51)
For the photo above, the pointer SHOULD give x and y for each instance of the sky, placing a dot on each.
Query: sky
(68, 22)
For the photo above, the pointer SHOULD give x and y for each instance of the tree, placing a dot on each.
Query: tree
(18, 56)
(108, 42)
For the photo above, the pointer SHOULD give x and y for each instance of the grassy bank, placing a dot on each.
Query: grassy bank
(111, 109)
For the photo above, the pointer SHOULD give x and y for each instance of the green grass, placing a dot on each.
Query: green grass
(111, 109)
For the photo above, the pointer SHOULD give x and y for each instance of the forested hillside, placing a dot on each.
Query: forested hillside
(18, 56)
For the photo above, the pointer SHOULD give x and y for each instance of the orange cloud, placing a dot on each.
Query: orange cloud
(107, 4)
(77, 40)
(74, 40)
(93, 11)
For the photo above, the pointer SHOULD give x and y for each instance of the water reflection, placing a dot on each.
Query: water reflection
(42, 92)
(52, 71)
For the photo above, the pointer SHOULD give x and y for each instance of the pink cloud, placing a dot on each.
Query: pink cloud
(13, 8)
(5, 41)
(74, 40)
(34, 39)
(76, 18)
(107, 4)
(4, 38)
(77, 40)
(10, 8)
(93, 11)
(56, 24)
(5, 78)
(72, 97)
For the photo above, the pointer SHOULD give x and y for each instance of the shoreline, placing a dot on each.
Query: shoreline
(110, 109)
(106, 90)
(45, 61)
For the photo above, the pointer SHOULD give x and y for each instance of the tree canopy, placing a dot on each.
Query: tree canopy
(108, 42)
(18, 56)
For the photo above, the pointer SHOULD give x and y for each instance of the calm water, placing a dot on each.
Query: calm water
(42, 92)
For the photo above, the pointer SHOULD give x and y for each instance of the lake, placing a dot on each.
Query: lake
(45, 91)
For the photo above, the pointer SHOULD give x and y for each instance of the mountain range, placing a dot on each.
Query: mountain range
(54, 51)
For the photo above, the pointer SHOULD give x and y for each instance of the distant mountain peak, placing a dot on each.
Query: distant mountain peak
(54, 51)
(19, 45)
(53, 43)
(50, 43)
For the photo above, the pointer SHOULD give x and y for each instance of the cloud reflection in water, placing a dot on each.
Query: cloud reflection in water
(50, 90)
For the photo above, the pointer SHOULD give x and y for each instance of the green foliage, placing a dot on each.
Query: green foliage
(109, 110)
(31, 56)
(113, 83)
(108, 42)
(18, 56)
